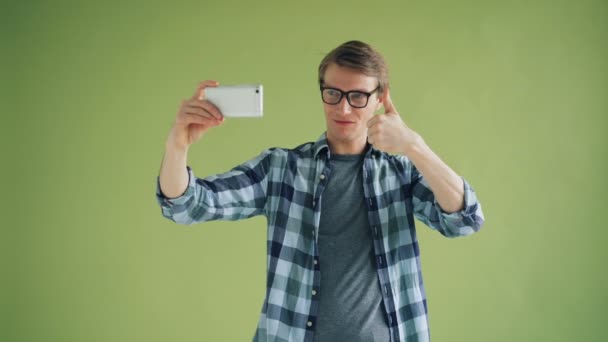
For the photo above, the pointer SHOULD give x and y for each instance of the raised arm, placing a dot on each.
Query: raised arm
(194, 117)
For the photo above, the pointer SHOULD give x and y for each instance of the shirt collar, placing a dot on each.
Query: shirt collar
(322, 147)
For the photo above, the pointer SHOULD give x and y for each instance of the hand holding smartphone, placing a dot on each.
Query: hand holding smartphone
(237, 101)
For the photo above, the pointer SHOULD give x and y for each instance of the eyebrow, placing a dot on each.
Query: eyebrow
(345, 91)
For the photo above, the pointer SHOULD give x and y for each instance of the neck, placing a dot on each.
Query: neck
(347, 147)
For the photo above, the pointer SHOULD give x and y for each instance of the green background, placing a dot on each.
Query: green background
(511, 94)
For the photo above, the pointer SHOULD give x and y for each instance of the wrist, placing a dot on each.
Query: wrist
(174, 147)
(414, 146)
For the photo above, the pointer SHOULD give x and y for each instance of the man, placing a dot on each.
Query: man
(343, 257)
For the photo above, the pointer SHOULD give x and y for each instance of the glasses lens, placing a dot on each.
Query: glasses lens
(357, 99)
(331, 96)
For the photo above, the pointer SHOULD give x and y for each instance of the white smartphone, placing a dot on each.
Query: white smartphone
(237, 101)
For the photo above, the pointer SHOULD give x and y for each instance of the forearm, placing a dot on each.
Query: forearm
(447, 185)
(173, 173)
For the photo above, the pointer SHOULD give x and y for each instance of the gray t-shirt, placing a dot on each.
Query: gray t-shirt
(350, 300)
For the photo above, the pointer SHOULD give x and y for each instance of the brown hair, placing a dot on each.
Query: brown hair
(358, 56)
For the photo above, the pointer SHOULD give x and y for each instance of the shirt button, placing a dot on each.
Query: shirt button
(314, 203)
(309, 323)
(315, 261)
(322, 176)
(314, 292)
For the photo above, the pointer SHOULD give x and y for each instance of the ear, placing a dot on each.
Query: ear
(378, 106)
(380, 103)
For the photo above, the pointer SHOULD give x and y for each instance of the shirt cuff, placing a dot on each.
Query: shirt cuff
(470, 205)
(165, 201)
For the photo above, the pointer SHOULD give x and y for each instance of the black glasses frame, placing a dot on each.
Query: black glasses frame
(347, 94)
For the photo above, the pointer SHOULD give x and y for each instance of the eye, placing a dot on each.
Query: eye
(357, 96)
(332, 92)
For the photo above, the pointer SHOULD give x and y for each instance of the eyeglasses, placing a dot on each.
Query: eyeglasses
(355, 98)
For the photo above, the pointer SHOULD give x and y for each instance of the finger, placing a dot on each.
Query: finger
(187, 112)
(197, 120)
(207, 106)
(372, 132)
(199, 94)
(373, 121)
(200, 113)
(388, 103)
(189, 119)
(370, 139)
(376, 120)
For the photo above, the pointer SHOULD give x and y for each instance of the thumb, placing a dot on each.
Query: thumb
(388, 103)
(199, 93)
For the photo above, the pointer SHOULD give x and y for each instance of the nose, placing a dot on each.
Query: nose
(343, 106)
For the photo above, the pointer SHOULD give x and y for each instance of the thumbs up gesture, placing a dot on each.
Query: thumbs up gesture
(387, 132)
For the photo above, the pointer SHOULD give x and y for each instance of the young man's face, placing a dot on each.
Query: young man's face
(346, 125)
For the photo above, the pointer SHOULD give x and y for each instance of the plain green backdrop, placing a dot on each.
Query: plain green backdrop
(512, 94)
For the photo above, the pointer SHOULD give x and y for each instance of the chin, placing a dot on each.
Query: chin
(344, 136)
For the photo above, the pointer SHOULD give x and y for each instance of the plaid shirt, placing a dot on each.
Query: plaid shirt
(286, 185)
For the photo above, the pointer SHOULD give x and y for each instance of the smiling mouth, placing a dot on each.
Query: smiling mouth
(343, 122)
